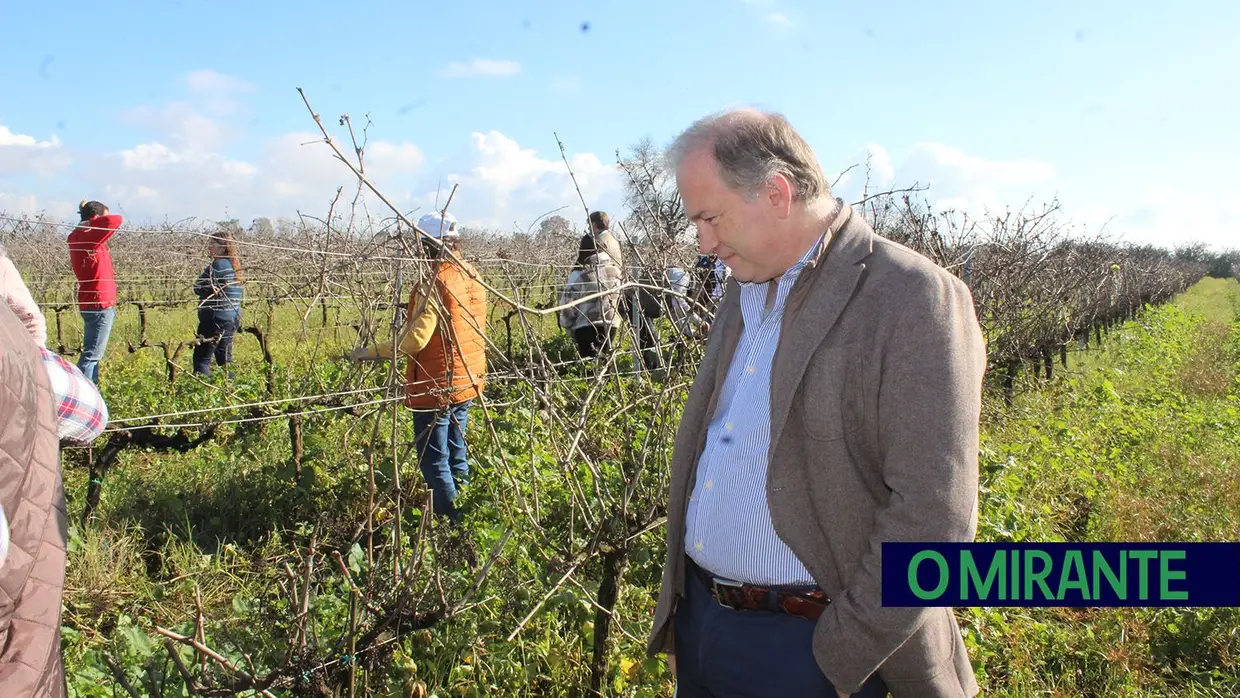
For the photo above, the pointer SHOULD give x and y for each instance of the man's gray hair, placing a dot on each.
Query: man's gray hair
(750, 147)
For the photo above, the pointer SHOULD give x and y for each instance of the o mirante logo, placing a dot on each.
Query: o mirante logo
(1061, 574)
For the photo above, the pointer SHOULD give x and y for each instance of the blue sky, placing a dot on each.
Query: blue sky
(174, 109)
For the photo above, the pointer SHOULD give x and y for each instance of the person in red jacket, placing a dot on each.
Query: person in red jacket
(92, 265)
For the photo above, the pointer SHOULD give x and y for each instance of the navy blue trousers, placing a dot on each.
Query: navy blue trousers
(722, 653)
(218, 326)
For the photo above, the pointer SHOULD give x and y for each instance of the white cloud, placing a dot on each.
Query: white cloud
(972, 184)
(154, 180)
(149, 157)
(480, 67)
(767, 11)
(31, 205)
(219, 94)
(22, 153)
(1169, 216)
(385, 158)
(7, 138)
(185, 170)
(937, 157)
(211, 82)
(202, 121)
(956, 180)
(867, 170)
(181, 125)
(298, 168)
(503, 185)
(291, 173)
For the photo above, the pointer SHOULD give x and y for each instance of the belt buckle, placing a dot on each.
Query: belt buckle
(716, 583)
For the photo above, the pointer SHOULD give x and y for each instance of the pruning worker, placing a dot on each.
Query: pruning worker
(92, 265)
(444, 344)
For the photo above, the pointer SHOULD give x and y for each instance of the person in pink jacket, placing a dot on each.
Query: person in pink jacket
(19, 299)
(32, 497)
(81, 413)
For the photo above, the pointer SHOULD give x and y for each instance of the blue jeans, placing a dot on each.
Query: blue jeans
(97, 329)
(220, 326)
(722, 653)
(442, 455)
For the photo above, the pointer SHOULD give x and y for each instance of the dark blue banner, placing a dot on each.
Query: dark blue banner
(1061, 574)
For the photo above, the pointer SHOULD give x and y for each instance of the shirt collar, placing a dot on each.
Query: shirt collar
(754, 295)
(805, 258)
(793, 272)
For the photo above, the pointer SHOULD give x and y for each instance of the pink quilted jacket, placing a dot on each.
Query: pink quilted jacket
(33, 498)
(19, 299)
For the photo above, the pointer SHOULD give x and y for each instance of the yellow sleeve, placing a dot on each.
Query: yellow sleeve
(416, 333)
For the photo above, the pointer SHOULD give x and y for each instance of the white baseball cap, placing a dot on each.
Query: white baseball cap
(439, 226)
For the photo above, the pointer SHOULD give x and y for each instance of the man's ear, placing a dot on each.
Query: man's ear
(778, 194)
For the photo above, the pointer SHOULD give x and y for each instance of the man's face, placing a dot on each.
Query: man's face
(742, 233)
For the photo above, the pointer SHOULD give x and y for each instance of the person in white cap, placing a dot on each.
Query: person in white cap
(444, 342)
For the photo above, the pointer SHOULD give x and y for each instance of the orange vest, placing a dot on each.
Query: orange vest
(452, 367)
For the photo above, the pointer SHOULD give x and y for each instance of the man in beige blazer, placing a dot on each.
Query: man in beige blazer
(836, 408)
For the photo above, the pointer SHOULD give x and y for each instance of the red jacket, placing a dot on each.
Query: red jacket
(92, 263)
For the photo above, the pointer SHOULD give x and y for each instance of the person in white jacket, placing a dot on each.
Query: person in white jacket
(593, 323)
(682, 314)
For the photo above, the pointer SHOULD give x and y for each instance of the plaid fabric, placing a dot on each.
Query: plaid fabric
(81, 413)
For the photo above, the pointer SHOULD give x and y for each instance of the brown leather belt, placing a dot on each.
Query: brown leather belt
(803, 602)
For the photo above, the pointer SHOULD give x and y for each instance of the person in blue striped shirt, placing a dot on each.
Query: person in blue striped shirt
(219, 290)
(836, 408)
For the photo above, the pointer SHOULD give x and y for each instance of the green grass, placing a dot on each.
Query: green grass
(1214, 300)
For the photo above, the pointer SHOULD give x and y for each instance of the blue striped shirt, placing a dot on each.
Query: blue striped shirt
(218, 288)
(728, 528)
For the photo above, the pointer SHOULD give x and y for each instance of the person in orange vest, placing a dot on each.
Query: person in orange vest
(444, 343)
